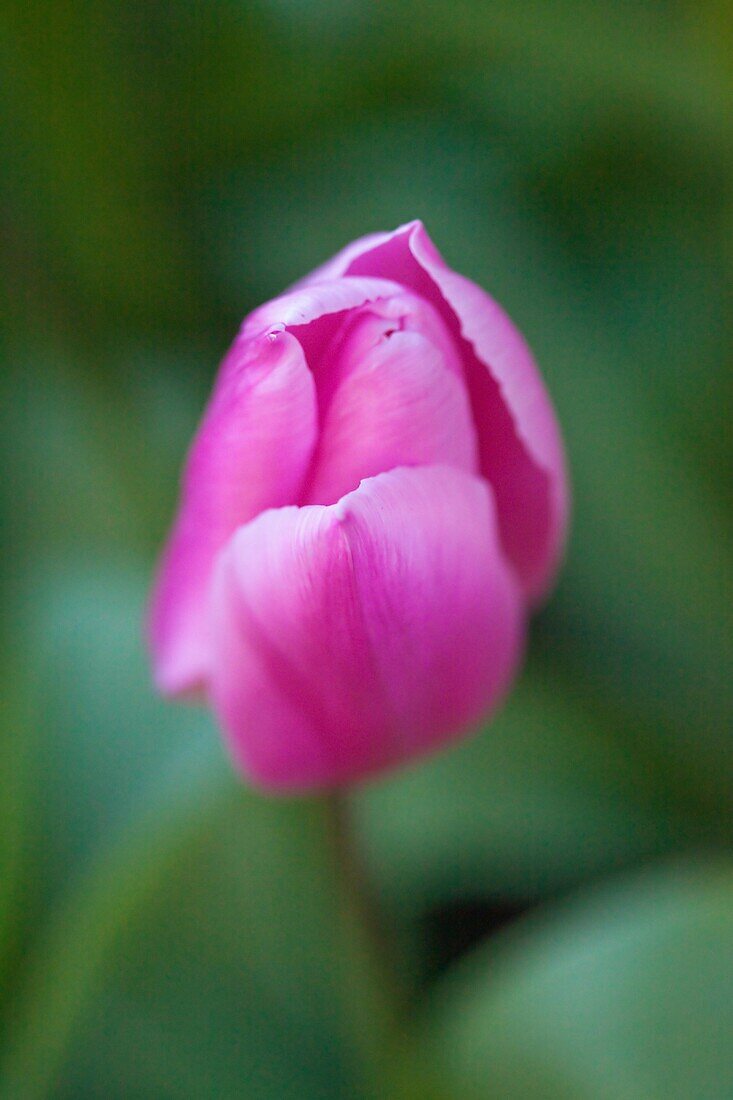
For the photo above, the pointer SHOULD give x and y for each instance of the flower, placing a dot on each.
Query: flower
(374, 500)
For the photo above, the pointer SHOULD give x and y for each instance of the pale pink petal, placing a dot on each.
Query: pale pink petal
(252, 451)
(353, 637)
(399, 400)
(305, 308)
(519, 440)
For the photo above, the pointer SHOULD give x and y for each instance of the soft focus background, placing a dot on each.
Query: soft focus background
(559, 891)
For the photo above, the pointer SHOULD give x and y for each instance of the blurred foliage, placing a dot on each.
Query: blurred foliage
(166, 933)
(533, 1017)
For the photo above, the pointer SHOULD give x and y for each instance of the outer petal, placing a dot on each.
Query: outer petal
(353, 637)
(520, 446)
(251, 452)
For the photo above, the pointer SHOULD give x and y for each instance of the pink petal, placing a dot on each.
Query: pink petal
(353, 637)
(519, 441)
(399, 400)
(251, 452)
(336, 342)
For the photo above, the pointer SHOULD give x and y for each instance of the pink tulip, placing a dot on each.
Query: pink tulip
(375, 498)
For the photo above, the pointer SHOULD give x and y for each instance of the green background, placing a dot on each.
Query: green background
(558, 891)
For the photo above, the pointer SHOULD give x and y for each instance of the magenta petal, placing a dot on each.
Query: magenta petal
(353, 637)
(251, 452)
(399, 404)
(519, 441)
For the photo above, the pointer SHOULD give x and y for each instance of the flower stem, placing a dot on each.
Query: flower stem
(379, 1016)
(358, 894)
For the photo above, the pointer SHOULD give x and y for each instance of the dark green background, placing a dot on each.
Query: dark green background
(164, 932)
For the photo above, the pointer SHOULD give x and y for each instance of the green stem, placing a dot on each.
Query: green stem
(378, 1010)
(358, 896)
(377, 1007)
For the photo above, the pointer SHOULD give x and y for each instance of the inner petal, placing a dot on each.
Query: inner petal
(391, 393)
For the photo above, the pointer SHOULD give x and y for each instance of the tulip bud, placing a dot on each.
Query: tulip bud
(375, 498)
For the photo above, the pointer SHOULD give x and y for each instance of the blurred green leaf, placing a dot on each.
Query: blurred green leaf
(238, 976)
(626, 992)
(551, 792)
(176, 918)
(90, 635)
(77, 933)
